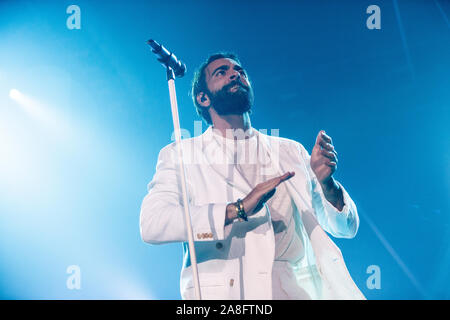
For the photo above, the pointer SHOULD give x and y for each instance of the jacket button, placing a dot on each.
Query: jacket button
(231, 282)
(219, 245)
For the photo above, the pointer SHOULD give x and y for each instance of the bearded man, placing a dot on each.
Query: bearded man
(260, 205)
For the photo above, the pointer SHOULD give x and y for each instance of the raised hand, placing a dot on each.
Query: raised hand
(323, 158)
(255, 200)
(324, 163)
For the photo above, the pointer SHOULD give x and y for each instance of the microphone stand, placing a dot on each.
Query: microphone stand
(187, 214)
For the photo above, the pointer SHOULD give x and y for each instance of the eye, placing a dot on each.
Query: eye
(242, 72)
(220, 73)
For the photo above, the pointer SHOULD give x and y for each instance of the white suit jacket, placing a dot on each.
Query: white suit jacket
(235, 262)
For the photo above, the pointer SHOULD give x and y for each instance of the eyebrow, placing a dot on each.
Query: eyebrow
(225, 67)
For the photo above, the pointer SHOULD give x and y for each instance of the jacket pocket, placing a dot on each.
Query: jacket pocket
(212, 287)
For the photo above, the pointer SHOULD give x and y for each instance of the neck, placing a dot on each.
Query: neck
(231, 122)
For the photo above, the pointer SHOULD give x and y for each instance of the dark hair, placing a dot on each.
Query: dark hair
(199, 82)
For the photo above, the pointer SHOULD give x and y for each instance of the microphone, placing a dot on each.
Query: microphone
(167, 58)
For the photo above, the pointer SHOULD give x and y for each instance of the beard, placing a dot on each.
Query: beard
(238, 102)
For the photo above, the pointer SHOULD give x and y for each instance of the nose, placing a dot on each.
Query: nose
(235, 75)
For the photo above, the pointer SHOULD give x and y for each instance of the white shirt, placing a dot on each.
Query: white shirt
(248, 162)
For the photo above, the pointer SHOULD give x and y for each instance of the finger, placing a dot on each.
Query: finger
(319, 137)
(328, 142)
(329, 154)
(287, 176)
(327, 138)
(274, 182)
(331, 164)
(324, 142)
(326, 145)
(284, 177)
(277, 180)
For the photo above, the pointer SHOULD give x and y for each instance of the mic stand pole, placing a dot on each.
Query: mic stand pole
(177, 132)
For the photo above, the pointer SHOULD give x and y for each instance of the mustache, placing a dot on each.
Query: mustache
(235, 82)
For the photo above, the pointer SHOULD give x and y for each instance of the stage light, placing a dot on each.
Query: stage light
(46, 116)
(29, 105)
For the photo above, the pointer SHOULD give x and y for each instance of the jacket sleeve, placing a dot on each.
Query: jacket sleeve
(162, 218)
(340, 224)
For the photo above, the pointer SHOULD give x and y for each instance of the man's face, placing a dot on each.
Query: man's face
(229, 89)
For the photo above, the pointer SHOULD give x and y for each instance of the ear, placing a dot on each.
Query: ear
(203, 99)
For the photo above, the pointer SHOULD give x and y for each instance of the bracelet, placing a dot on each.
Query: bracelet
(241, 212)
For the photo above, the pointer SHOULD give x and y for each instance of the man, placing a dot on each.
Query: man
(259, 204)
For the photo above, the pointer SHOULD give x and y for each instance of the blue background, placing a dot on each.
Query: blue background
(71, 187)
